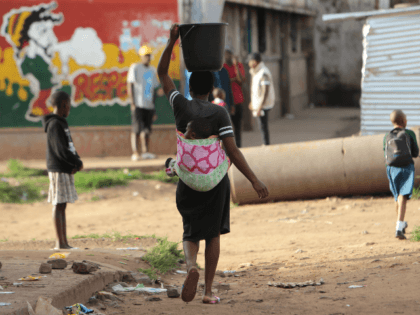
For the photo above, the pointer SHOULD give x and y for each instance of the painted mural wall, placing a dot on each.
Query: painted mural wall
(83, 47)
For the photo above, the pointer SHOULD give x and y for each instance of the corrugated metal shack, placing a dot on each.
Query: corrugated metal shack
(391, 66)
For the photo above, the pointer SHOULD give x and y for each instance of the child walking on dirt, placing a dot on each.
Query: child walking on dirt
(400, 146)
(205, 214)
(62, 163)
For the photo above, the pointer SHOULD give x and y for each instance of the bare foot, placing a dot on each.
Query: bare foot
(211, 299)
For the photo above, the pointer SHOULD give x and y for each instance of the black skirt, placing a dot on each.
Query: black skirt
(205, 215)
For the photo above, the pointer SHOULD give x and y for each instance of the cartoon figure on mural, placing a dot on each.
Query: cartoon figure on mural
(30, 32)
(38, 62)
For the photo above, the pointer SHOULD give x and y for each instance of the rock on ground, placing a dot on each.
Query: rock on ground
(173, 293)
(45, 268)
(57, 263)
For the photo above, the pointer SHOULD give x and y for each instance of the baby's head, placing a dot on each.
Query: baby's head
(398, 118)
(219, 93)
(199, 128)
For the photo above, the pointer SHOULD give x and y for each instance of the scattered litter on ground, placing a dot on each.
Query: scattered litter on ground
(181, 272)
(229, 271)
(129, 248)
(17, 284)
(59, 256)
(6, 292)
(356, 286)
(5, 304)
(139, 288)
(290, 285)
(80, 309)
(1, 288)
(29, 278)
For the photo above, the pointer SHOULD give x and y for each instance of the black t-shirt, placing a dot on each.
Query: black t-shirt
(186, 110)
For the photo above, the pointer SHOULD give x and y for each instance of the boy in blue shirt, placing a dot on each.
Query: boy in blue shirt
(400, 146)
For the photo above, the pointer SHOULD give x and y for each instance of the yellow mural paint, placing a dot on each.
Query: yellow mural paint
(22, 94)
(9, 71)
(56, 61)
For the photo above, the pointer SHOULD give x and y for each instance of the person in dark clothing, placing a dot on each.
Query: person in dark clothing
(236, 73)
(62, 163)
(205, 215)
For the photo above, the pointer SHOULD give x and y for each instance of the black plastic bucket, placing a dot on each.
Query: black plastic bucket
(203, 45)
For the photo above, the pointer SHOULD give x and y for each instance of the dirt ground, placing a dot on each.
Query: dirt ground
(345, 242)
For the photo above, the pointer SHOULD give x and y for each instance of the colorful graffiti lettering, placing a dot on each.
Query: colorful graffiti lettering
(101, 87)
(41, 52)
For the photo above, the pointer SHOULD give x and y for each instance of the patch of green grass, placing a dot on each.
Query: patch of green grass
(95, 198)
(416, 193)
(88, 181)
(234, 205)
(23, 193)
(4, 240)
(32, 182)
(415, 234)
(18, 170)
(115, 236)
(162, 258)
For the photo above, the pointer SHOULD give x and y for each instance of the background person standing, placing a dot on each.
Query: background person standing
(142, 89)
(262, 93)
(237, 78)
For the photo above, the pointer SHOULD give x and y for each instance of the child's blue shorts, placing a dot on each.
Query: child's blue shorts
(401, 180)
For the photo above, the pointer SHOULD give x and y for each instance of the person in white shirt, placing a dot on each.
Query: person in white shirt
(262, 93)
(143, 87)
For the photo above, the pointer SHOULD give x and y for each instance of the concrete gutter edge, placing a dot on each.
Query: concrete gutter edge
(81, 292)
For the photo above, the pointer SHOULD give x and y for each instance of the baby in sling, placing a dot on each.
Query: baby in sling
(201, 161)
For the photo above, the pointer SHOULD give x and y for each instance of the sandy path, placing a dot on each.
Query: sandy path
(324, 230)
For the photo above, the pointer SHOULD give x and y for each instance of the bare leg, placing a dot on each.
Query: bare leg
(144, 142)
(135, 143)
(191, 251)
(396, 208)
(212, 258)
(59, 224)
(189, 288)
(402, 205)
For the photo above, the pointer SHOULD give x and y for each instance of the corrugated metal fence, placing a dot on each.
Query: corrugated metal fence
(391, 71)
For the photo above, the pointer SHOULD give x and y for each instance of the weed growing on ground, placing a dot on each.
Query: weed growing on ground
(17, 170)
(233, 205)
(162, 258)
(88, 181)
(415, 234)
(416, 193)
(115, 236)
(4, 240)
(23, 193)
(31, 182)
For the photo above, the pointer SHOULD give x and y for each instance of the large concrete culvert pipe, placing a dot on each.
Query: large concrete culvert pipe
(316, 169)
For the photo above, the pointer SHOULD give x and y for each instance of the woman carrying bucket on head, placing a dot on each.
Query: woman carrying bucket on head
(205, 213)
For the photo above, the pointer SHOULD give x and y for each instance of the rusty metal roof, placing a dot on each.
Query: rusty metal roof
(293, 6)
(339, 17)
